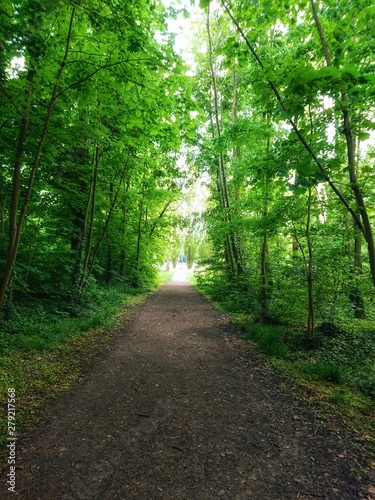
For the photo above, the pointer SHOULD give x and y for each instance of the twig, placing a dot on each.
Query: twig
(311, 494)
(177, 448)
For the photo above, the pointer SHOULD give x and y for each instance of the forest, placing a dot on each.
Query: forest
(255, 163)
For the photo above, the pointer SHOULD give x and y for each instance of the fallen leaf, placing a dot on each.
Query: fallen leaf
(362, 438)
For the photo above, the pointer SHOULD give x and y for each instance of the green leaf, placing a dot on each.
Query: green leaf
(363, 136)
(203, 4)
(297, 189)
(307, 169)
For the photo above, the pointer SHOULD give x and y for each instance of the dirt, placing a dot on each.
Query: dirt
(179, 408)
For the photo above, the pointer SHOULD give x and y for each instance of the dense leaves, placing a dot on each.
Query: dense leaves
(94, 110)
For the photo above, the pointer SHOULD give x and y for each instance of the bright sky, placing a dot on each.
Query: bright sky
(181, 27)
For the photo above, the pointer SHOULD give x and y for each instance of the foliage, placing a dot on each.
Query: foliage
(345, 357)
(92, 120)
(44, 325)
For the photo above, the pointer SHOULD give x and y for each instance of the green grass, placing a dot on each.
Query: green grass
(321, 370)
(270, 339)
(37, 327)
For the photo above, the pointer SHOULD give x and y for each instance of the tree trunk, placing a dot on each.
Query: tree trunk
(309, 271)
(231, 248)
(139, 232)
(101, 238)
(91, 203)
(355, 294)
(264, 292)
(264, 312)
(123, 232)
(108, 271)
(16, 186)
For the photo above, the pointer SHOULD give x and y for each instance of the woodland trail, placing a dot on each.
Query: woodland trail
(179, 408)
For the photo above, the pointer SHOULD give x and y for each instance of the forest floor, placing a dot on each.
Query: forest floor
(177, 407)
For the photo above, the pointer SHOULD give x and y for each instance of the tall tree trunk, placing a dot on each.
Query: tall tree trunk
(309, 270)
(108, 271)
(231, 248)
(139, 231)
(91, 204)
(16, 226)
(264, 292)
(104, 231)
(123, 232)
(32, 252)
(264, 311)
(11, 252)
(355, 294)
(80, 227)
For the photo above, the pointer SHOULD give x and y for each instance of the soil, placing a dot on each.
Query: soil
(178, 408)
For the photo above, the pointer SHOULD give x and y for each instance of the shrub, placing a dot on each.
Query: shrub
(269, 338)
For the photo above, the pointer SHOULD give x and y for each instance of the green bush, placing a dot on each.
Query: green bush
(269, 339)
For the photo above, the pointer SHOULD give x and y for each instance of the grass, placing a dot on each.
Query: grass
(44, 351)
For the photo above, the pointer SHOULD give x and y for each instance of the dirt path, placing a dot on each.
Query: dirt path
(179, 409)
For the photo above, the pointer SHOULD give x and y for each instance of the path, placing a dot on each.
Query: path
(178, 408)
